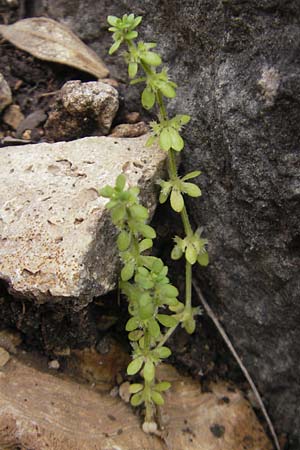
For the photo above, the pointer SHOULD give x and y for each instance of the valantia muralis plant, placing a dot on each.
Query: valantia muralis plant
(154, 306)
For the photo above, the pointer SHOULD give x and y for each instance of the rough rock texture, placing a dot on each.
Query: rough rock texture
(5, 93)
(237, 64)
(82, 109)
(41, 411)
(56, 238)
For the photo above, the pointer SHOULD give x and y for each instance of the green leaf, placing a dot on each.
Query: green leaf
(118, 213)
(135, 387)
(167, 89)
(150, 141)
(167, 321)
(136, 399)
(149, 371)
(146, 231)
(132, 69)
(163, 352)
(132, 324)
(157, 398)
(135, 335)
(154, 328)
(112, 20)
(191, 254)
(135, 365)
(190, 175)
(123, 241)
(120, 182)
(107, 192)
(176, 252)
(176, 140)
(145, 244)
(139, 212)
(189, 326)
(163, 386)
(165, 139)
(203, 259)
(131, 35)
(148, 98)
(191, 189)
(127, 271)
(184, 119)
(151, 58)
(169, 290)
(115, 47)
(137, 21)
(176, 200)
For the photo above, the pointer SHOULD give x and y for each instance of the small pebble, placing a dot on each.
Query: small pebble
(13, 116)
(5, 93)
(130, 130)
(4, 357)
(54, 364)
(133, 117)
(124, 391)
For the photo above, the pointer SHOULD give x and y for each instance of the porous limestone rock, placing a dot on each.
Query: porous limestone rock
(56, 237)
(82, 109)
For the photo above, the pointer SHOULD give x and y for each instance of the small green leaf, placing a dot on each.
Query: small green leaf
(127, 271)
(135, 335)
(132, 69)
(189, 326)
(163, 386)
(118, 213)
(167, 321)
(136, 399)
(176, 140)
(176, 252)
(167, 89)
(148, 98)
(190, 175)
(149, 371)
(107, 192)
(145, 244)
(115, 47)
(163, 352)
(165, 139)
(120, 182)
(151, 58)
(191, 254)
(157, 398)
(146, 231)
(191, 189)
(131, 35)
(203, 259)
(169, 290)
(150, 141)
(139, 212)
(137, 21)
(135, 365)
(123, 240)
(135, 387)
(176, 200)
(112, 20)
(132, 324)
(184, 119)
(154, 328)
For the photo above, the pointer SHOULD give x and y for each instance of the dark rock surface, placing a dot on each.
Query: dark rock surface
(237, 63)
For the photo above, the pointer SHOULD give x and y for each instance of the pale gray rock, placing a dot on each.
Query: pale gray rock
(56, 237)
(82, 109)
(5, 93)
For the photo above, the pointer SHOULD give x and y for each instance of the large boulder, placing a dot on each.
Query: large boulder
(238, 68)
(56, 238)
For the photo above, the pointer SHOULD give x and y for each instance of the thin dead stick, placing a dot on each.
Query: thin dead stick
(222, 332)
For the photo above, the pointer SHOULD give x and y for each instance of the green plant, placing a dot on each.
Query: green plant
(143, 278)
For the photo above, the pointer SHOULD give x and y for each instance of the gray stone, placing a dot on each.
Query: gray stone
(56, 238)
(237, 66)
(5, 93)
(82, 109)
